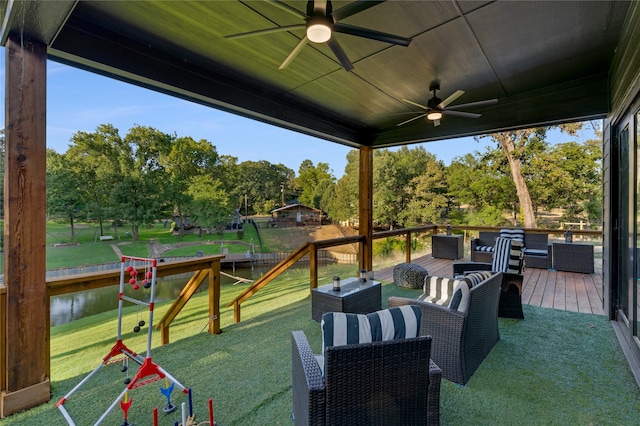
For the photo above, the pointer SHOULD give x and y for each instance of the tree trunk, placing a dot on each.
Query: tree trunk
(507, 145)
(73, 233)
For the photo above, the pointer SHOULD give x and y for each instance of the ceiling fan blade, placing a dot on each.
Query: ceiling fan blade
(416, 104)
(412, 119)
(266, 31)
(461, 114)
(436, 123)
(352, 9)
(342, 57)
(474, 104)
(451, 98)
(371, 34)
(289, 9)
(293, 53)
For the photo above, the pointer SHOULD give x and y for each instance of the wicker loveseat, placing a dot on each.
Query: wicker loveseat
(461, 339)
(389, 381)
(536, 249)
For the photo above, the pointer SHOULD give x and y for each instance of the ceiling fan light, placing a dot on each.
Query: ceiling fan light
(434, 115)
(318, 29)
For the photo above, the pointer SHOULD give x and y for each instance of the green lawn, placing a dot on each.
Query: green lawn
(553, 368)
(85, 247)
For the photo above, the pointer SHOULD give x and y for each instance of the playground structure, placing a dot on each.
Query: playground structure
(139, 273)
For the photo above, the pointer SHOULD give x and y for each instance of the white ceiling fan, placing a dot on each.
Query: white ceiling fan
(437, 108)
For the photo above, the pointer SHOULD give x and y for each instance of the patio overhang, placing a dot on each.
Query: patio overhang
(545, 62)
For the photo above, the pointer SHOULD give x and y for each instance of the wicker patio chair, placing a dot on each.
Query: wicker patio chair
(510, 261)
(391, 382)
(461, 340)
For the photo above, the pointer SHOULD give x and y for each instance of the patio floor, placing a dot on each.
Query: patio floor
(567, 291)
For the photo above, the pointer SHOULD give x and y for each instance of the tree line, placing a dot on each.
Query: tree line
(148, 175)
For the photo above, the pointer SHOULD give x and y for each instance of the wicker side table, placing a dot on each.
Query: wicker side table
(354, 297)
(447, 246)
(573, 257)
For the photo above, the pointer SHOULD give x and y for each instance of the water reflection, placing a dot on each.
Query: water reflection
(74, 306)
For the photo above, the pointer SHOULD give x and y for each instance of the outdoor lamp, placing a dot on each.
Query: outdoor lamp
(336, 283)
(363, 275)
(434, 115)
(318, 29)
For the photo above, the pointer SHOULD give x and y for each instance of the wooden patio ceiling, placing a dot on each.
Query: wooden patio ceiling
(545, 61)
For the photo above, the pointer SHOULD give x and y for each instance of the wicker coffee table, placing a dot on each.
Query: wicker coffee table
(354, 296)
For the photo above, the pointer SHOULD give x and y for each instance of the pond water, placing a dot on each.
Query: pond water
(69, 307)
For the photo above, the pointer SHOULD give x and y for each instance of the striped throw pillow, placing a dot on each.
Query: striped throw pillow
(476, 278)
(507, 256)
(461, 296)
(438, 290)
(513, 234)
(339, 328)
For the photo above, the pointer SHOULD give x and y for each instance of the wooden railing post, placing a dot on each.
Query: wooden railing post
(214, 298)
(313, 265)
(236, 311)
(164, 333)
(408, 247)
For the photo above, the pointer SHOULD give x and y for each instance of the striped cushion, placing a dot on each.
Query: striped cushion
(507, 256)
(339, 328)
(536, 252)
(438, 290)
(484, 248)
(461, 296)
(513, 234)
(476, 278)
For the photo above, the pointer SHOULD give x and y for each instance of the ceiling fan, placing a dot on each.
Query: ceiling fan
(321, 21)
(436, 107)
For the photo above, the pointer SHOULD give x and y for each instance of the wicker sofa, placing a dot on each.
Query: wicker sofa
(461, 340)
(536, 253)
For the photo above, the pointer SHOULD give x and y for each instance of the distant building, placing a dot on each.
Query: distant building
(295, 215)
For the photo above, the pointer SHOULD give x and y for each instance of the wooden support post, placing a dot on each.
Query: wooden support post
(214, 298)
(407, 249)
(164, 333)
(26, 345)
(236, 312)
(313, 266)
(366, 207)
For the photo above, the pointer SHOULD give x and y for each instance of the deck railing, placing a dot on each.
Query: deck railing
(311, 249)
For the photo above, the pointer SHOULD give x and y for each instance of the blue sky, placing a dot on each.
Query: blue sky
(80, 101)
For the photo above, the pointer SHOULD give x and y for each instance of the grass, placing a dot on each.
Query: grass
(554, 367)
(88, 251)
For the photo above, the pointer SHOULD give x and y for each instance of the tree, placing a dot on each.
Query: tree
(263, 184)
(344, 206)
(427, 195)
(137, 198)
(315, 184)
(394, 186)
(186, 160)
(66, 188)
(514, 146)
(94, 157)
(210, 204)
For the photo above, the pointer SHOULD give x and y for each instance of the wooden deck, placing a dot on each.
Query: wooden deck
(567, 291)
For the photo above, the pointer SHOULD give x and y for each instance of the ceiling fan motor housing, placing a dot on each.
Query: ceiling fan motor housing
(434, 102)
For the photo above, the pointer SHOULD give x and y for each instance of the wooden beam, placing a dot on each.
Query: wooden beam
(366, 206)
(26, 334)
